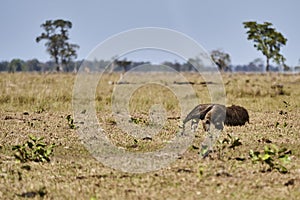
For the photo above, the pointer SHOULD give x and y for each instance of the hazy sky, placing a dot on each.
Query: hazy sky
(212, 23)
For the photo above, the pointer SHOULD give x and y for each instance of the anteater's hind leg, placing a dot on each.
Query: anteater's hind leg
(206, 124)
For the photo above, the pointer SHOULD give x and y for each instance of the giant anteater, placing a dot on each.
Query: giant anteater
(218, 115)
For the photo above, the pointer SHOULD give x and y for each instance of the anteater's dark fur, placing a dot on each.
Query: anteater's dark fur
(236, 116)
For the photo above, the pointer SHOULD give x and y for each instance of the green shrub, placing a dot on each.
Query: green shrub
(34, 149)
(273, 157)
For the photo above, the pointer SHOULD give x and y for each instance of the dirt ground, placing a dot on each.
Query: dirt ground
(38, 104)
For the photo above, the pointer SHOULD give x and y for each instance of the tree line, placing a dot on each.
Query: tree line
(34, 65)
(55, 33)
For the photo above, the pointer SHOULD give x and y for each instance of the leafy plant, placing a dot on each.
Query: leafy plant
(71, 122)
(201, 170)
(228, 142)
(234, 142)
(231, 141)
(33, 149)
(273, 157)
(138, 120)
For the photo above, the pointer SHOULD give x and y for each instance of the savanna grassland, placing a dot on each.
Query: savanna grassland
(39, 105)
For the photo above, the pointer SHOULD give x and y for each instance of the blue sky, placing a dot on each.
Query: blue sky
(214, 24)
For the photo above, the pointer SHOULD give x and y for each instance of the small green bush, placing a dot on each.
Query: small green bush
(34, 149)
(273, 157)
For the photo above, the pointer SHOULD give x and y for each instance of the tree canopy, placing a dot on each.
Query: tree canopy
(267, 40)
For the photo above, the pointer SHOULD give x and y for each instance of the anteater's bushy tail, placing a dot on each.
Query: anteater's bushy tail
(236, 116)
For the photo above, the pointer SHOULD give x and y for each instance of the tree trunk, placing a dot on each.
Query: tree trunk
(268, 65)
(57, 64)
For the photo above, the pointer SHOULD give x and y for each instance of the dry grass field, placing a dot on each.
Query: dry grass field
(38, 104)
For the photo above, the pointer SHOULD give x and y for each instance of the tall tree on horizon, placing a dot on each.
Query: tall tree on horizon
(56, 34)
(267, 40)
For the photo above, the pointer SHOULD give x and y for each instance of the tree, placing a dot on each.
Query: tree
(256, 65)
(123, 63)
(4, 65)
(57, 42)
(33, 65)
(16, 65)
(267, 40)
(196, 63)
(221, 59)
